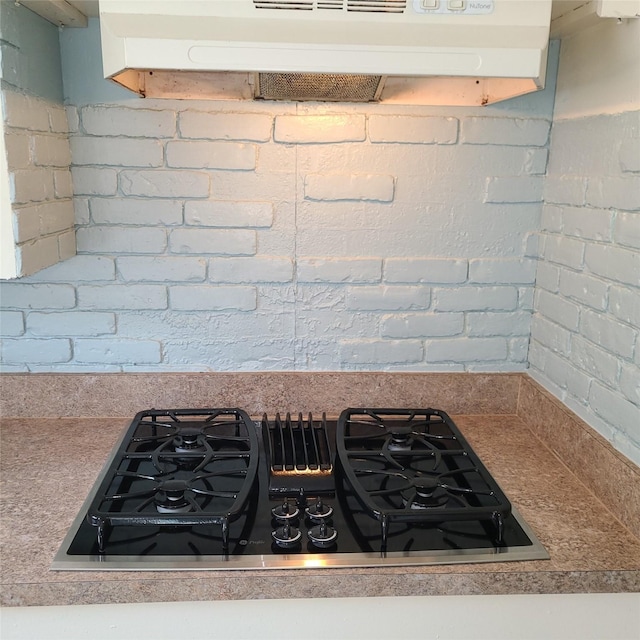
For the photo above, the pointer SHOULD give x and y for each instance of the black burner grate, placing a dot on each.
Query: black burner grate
(179, 468)
(414, 465)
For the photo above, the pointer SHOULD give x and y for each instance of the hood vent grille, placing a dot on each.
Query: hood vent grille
(329, 87)
(362, 6)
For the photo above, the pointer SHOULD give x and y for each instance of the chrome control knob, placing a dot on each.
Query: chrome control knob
(285, 512)
(286, 536)
(319, 512)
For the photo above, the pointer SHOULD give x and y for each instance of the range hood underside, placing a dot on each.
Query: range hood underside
(237, 85)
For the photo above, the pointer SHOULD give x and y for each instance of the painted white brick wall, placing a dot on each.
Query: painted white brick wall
(38, 158)
(585, 335)
(240, 237)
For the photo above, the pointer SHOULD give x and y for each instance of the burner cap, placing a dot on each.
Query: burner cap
(170, 497)
(188, 441)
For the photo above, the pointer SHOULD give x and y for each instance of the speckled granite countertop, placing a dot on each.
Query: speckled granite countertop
(49, 464)
(591, 551)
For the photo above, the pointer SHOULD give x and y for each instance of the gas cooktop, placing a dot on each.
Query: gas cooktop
(213, 489)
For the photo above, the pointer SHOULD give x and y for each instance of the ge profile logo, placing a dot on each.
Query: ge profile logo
(244, 542)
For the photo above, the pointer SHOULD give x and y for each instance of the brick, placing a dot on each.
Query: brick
(629, 383)
(427, 270)
(26, 222)
(569, 190)
(506, 323)
(71, 323)
(31, 185)
(625, 305)
(608, 333)
(594, 361)
(548, 277)
(505, 131)
(254, 269)
(369, 187)
(564, 312)
(122, 152)
(34, 350)
(412, 129)
(475, 299)
(17, 146)
(118, 351)
(11, 323)
(58, 122)
(551, 219)
(614, 263)
(629, 155)
(56, 216)
(62, 183)
(199, 154)
(212, 298)
(25, 112)
(550, 334)
(502, 271)
(136, 211)
(37, 254)
(616, 193)
(421, 325)
(67, 244)
(50, 151)
(518, 349)
(613, 408)
(380, 351)
(251, 127)
(565, 251)
(106, 239)
(466, 350)
(37, 296)
(218, 213)
(165, 184)
(93, 181)
(161, 269)
(627, 229)
(73, 118)
(134, 123)
(592, 224)
(120, 296)
(303, 129)
(383, 298)
(514, 189)
(81, 210)
(584, 288)
(339, 270)
(80, 268)
(233, 242)
(567, 376)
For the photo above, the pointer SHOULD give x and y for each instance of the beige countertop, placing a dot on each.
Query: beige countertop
(48, 466)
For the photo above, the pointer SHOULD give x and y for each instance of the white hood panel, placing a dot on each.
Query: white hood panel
(149, 45)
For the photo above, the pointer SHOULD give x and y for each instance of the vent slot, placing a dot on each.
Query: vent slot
(377, 6)
(360, 6)
(326, 87)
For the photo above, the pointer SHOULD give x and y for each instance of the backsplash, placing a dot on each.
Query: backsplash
(211, 237)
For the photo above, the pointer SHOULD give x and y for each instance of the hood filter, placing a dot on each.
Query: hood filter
(331, 87)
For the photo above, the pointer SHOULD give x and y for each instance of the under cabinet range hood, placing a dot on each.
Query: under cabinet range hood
(437, 52)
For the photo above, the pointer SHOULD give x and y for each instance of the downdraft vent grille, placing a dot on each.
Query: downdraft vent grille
(362, 6)
(318, 86)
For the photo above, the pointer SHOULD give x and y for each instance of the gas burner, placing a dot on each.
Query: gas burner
(171, 498)
(319, 512)
(189, 440)
(322, 535)
(427, 493)
(286, 536)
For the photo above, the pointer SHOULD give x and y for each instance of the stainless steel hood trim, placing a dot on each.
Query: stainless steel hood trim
(64, 562)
